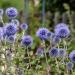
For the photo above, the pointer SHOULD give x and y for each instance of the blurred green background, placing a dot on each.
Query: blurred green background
(12, 3)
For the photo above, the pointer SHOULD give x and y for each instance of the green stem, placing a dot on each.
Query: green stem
(57, 65)
(47, 63)
(28, 53)
(46, 60)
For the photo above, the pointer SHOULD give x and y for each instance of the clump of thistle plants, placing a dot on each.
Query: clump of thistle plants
(20, 56)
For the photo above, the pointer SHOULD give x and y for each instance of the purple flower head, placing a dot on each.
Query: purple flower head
(27, 40)
(40, 51)
(24, 26)
(11, 38)
(62, 52)
(1, 12)
(15, 21)
(42, 33)
(72, 56)
(55, 40)
(62, 32)
(11, 12)
(10, 29)
(50, 35)
(53, 52)
(69, 65)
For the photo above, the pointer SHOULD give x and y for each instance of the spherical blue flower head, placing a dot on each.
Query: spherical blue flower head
(27, 40)
(53, 52)
(42, 33)
(11, 39)
(72, 56)
(10, 29)
(62, 32)
(40, 51)
(24, 26)
(69, 65)
(11, 12)
(60, 25)
(15, 21)
(1, 12)
(62, 52)
(50, 35)
(56, 40)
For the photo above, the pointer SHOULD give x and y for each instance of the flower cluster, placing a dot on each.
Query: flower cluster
(54, 49)
(56, 38)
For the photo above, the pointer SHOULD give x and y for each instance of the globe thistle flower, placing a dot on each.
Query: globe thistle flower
(53, 52)
(11, 38)
(27, 40)
(1, 12)
(50, 35)
(15, 21)
(11, 12)
(62, 52)
(62, 32)
(72, 56)
(24, 26)
(69, 65)
(55, 40)
(10, 29)
(40, 51)
(42, 33)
